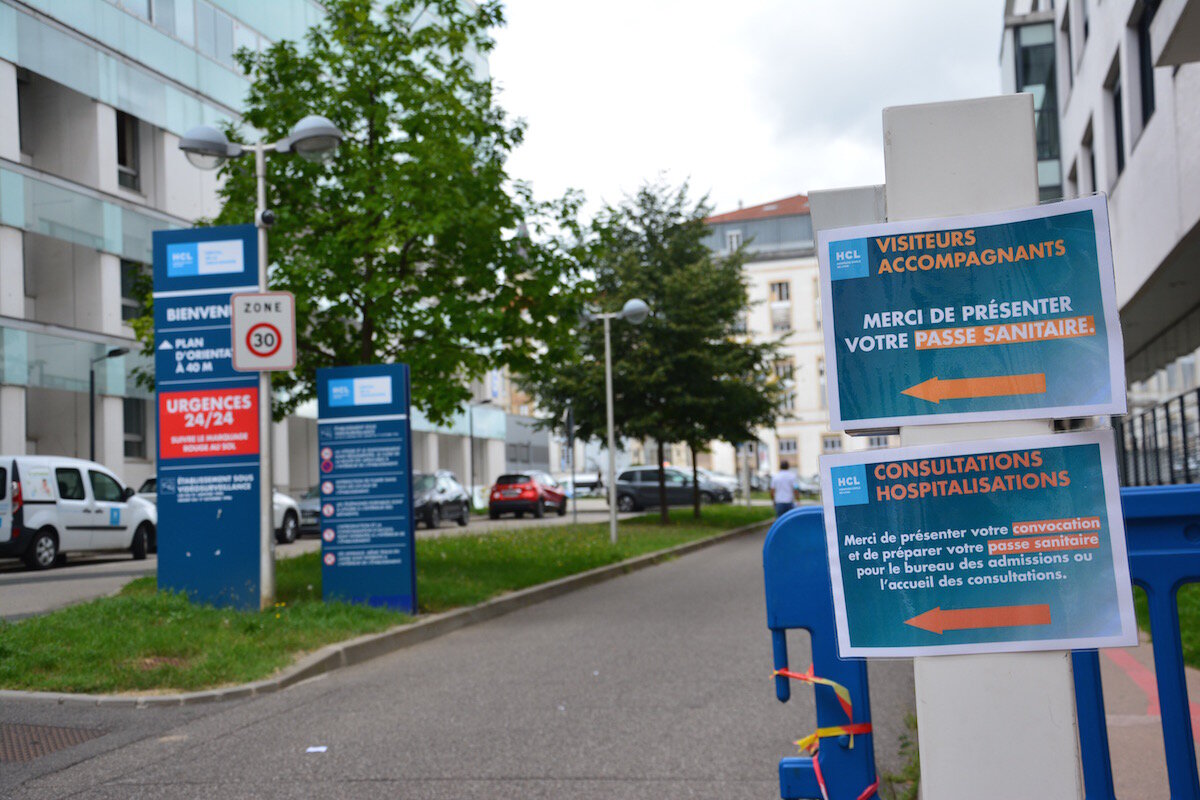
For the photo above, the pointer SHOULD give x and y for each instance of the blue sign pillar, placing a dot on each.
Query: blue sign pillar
(208, 444)
(365, 463)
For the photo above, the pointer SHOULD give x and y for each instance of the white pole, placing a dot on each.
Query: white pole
(266, 526)
(944, 159)
(612, 447)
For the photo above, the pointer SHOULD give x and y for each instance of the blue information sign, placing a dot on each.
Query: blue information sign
(208, 454)
(1001, 545)
(365, 466)
(1010, 315)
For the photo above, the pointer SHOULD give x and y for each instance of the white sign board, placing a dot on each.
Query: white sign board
(264, 331)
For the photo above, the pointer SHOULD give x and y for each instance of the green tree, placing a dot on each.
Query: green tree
(408, 245)
(686, 374)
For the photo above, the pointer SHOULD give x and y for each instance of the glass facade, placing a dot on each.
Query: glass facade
(77, 216)
(44, 360)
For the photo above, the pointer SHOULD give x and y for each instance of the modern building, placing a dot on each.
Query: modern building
(783, 284)
(1122, 78)
(94, 95)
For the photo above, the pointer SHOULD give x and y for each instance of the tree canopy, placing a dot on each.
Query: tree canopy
(687, 374)
(411, 244)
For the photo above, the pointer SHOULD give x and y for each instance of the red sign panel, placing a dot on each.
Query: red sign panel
(203, 424)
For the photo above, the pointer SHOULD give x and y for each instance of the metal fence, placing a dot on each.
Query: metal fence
(1160, 445)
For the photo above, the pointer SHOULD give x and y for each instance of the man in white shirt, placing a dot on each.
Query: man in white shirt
(783, 487)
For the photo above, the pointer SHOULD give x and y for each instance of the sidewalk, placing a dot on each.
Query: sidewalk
(1134, 726)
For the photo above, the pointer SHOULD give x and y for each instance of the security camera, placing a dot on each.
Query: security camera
(266, 218)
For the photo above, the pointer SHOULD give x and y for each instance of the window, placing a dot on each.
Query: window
(740, 324)
(1069, 56)
(70, 484)
(783, 369)
(1035, 75)
(164, 15)
(127, 151)
(140, 8)
(733, 240)
(135, 427)
(214, 34)
(1146, 58)
(131, 297)
(104, 488)
(831, 443)
(781, 306)
(821, 381)
(787, 447)
(816, 293)
(1087, 155)
(1117, 109)
(3, 483)
(875, 442)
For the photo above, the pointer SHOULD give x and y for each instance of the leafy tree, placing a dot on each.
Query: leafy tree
(405, 247)
(685, 374)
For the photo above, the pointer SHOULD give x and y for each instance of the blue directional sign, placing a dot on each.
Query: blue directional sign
(365, 467)
(208, 443)
(1010, 315)
(972, 547)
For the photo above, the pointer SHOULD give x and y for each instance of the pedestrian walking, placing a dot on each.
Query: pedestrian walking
(783, 487)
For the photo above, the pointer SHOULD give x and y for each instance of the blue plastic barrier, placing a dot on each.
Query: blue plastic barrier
(1162, 525)
(796, 575)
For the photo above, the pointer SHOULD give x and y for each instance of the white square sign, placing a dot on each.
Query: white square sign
(264, 331)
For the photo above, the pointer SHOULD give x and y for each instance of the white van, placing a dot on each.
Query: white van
(51, 505)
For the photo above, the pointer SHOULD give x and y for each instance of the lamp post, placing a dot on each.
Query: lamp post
(114, 353)
(315, 139)
(571, 455)
(635, 312)
(471, 444)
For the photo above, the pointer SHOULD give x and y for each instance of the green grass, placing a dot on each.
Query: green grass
(144, 640)
(1188, 600)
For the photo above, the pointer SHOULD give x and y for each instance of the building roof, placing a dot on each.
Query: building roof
(787, 207)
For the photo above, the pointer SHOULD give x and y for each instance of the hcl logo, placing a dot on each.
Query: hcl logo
(849, 259)
(850, 485)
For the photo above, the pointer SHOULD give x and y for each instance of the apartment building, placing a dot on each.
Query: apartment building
(94, 95)
(783, 284)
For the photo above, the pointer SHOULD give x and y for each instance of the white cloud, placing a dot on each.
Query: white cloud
(751, 101)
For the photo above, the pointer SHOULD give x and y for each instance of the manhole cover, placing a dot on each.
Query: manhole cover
(27, 742)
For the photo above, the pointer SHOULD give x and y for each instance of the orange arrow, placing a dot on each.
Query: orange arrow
(936, 390)
(938, 619)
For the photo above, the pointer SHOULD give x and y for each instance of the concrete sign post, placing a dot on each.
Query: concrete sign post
(948, 160)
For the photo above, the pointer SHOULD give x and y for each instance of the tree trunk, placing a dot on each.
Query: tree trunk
(664, 513)
(695, 485)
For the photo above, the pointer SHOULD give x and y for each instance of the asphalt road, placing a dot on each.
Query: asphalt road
(86, 577)
(652, 685)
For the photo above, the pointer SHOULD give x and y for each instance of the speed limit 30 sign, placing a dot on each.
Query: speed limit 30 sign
(264, 331)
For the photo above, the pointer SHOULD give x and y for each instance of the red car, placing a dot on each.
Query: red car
(529, 491)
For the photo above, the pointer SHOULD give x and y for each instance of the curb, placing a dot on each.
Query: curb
(373, 645)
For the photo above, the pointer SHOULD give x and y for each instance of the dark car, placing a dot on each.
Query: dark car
(438, 497)
(310, 511)
(637, 488)
(526, 491)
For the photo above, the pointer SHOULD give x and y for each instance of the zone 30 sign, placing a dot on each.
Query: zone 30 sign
(264, 331)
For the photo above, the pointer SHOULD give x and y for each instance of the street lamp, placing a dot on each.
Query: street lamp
(315, 139)
(471, 444)
(114, 353)
(635, 312)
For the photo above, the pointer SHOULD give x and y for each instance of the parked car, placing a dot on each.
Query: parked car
(637, 488)
(730, 482)
(50, 506)
(760, 482)
(520, 492)
(439, 496)
(309, 506)
(810, 484)
(589, 484)
(286, 512)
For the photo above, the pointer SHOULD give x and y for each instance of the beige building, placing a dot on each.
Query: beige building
(783, 285)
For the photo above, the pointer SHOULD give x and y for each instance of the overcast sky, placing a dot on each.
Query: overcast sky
(750, 100)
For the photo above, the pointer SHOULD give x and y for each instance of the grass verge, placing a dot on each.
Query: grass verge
(1188, 600)
(144, 640)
